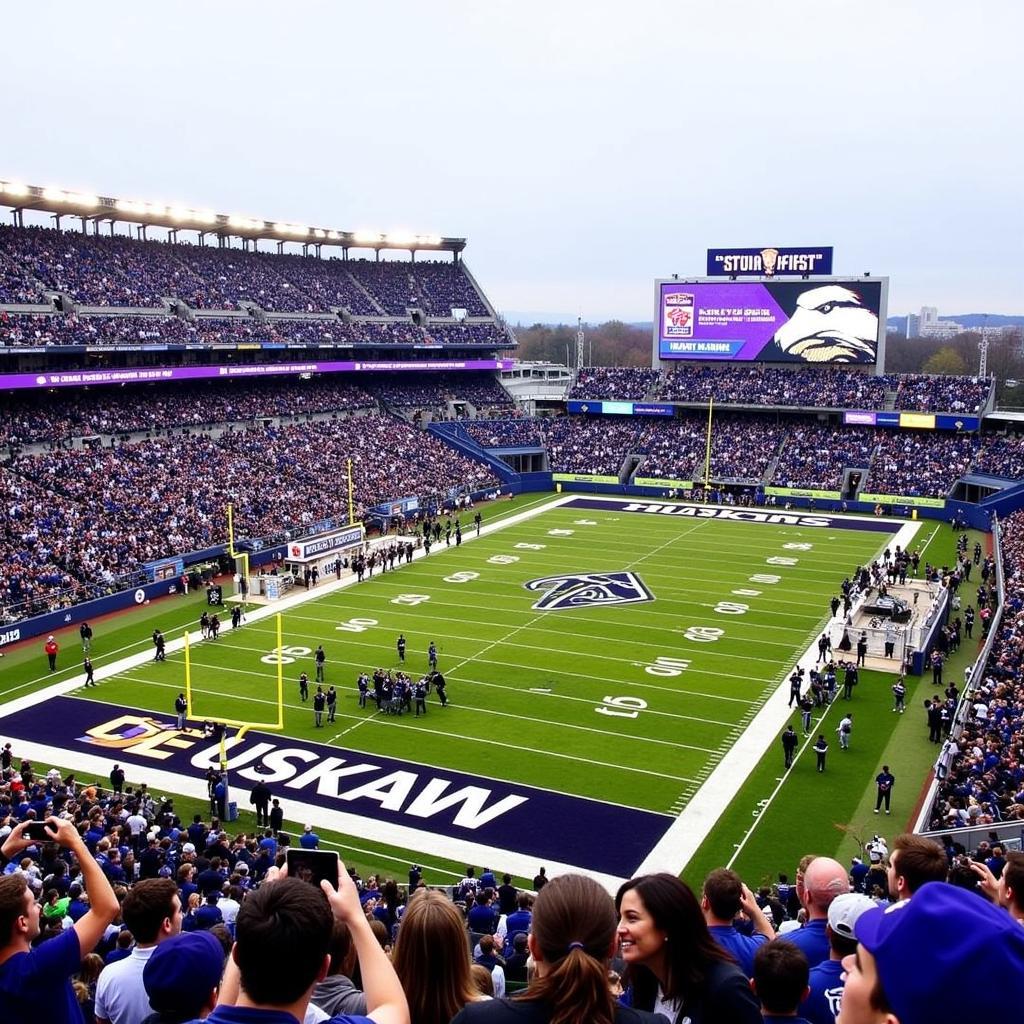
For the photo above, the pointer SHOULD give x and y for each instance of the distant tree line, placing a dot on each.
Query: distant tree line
(960, 355)
(613, 343)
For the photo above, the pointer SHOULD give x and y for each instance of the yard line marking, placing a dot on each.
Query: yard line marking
(640, 683)
(371, 717)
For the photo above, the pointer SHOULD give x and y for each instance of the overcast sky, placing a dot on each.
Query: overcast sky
(583, 149)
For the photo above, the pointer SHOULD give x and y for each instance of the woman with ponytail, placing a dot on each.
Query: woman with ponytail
(571, 941)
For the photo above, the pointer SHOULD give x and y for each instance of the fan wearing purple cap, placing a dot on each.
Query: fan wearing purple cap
(182, 978)
(974, 957)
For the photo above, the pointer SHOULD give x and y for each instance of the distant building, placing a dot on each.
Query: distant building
(928, 325)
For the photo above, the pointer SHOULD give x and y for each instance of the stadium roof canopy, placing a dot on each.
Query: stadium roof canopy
(99, 209)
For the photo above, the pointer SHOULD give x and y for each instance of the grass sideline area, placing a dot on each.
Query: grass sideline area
(538, 694)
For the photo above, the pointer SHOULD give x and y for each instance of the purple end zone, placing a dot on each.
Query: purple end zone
(774, 517)
(530, 821)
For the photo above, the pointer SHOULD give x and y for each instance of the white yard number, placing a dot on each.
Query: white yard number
(781, 560)
(764, 577)
(503, 559)
(464, 576)
(703, 634)
(560, 533)
(794, 546)
(585, 522)
(410, 599)
(621, 707)
(731, 608)
(356, 625)
(284, 655)
(666, 666)
(524, 546)
(744, 592)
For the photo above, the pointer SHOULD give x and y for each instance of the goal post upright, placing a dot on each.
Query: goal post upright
(243, 726)
(241, 558)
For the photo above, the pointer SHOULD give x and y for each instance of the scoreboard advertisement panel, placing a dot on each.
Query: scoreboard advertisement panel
(828, 320)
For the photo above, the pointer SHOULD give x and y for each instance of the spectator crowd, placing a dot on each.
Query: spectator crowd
(101, 270)
(38, 330)
(95, 515)
(119, 911)
(982, 764)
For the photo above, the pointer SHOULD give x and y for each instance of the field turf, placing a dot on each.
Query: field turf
(629, 704)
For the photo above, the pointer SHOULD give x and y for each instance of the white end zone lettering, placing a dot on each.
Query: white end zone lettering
(741, 515)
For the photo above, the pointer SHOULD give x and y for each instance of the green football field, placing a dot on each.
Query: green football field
(632, 704)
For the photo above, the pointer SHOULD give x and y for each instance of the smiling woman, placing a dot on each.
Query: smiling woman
(674, 966)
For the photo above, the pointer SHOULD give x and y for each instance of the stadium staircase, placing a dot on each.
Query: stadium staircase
(479, 291)
(773, 462)
(369, 298)
(455, 436)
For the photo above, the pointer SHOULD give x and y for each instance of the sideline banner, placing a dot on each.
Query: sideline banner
(803, 492)
(899, 499)
(583, 478)
(653, 481)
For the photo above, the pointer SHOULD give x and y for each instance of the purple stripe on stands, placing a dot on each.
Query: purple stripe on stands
(504, 815)
(150, 375)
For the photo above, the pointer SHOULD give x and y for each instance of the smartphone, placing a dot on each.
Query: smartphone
(37, 831)
(312, 865)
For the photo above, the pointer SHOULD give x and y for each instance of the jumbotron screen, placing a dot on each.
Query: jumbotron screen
(823, 321)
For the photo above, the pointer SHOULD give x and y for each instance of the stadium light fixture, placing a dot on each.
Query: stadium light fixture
(14, 188)
(368, 236)
(236, 220)
(54, 195)
(320, 233)
(333, 235)
(429, 239)
(400, 238)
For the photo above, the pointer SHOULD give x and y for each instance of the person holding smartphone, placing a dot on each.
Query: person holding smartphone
(282, 940)
(35, 984)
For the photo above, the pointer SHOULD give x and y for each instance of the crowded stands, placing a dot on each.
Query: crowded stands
(37, 330)
(100, 270)
(95, 515)
(815, 456)
(614, 382)
(136, 912)
(912, 463)
(984, 777)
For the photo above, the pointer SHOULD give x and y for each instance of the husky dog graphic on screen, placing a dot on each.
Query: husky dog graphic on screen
(830, 324)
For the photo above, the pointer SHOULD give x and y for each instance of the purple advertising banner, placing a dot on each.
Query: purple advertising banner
(859, 418)
(774, 321)
(157, 374)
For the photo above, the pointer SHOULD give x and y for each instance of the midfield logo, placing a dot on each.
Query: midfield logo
(589, 590)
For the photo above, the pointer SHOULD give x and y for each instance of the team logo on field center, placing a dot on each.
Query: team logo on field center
(589, 590)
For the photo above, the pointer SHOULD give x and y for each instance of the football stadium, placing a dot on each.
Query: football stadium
(301, 557)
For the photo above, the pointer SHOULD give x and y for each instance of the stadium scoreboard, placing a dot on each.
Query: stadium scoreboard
(820, 320)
